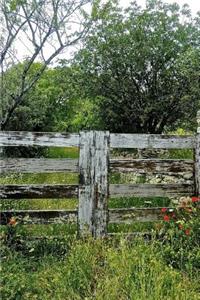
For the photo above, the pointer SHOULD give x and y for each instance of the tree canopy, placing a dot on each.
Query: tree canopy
(144, 64)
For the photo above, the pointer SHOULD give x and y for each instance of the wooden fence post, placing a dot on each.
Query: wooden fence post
(93, 189)
(197, 157)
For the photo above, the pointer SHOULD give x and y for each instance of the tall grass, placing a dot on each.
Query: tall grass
(93, 270)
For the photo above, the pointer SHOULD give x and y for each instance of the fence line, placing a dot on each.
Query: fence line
(173, 167)
(117, 140)
(93, 166)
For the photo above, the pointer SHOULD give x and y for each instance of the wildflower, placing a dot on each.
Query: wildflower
(164, 209)
(187, 231)
(166, 218)
(12, 221)
(195, 199)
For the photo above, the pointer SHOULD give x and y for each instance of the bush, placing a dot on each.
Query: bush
(181, 235)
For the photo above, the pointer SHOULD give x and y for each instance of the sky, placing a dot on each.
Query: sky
(22, 45)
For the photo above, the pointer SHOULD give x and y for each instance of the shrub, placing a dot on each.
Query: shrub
(180, 234)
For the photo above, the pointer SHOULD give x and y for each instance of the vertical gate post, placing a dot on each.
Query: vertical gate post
(197, 158)
(93, 183)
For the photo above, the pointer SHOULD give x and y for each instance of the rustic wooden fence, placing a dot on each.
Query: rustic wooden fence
(93, 166)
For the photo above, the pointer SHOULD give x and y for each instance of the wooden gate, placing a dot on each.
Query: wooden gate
(94, 166)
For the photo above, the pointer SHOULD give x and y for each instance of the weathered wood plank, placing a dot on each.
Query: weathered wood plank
(93, 192)
(38, 165)
(197, 165)
(197, 158)
(152, 141)
(198, 121)
(131, 215)
(130, 235)
(39, 216)
(150, 190)
(45, 139)
(153, 166)
(38, 191)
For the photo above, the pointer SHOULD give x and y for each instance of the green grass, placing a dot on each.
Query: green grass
(58, 266)
(41, 178)
(179, 154)
(92, 270)
(59, 152)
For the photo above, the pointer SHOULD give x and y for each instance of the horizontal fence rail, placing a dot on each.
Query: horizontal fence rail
(131, 215)
(38, 191)
(117, 140)
(151, 141)
(38, 165)
(115, 216)
(152, 166)
(39, 216)
(44, 139)
(140, 166)
(150, 190)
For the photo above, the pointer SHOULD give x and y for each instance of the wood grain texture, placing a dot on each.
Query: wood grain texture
(152, 166)
(198, 121)
(141, 166)
(151, 141)
(197, 165)
(38, 191)
(45, 139)
(197, 158)
(150, 190)
(117, 140)
(130, 235)
(39, 216)
(93, 191)
(37, 165)
(131, 215)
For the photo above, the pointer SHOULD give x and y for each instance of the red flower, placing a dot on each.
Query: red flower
(187, 231)
(166, 218)
(195, 199)
(164, 209)
(173, 215)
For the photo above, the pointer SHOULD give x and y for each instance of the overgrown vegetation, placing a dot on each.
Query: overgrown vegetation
(93, 270)
(48, 262)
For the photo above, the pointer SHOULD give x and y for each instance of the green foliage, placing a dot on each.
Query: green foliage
(88, 269)
(85, 115)
(144, 64)
(38, 109)
(59, 152)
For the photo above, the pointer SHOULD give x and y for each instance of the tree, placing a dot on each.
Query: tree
(48, 27)
(34, 113)
(145, 64)
(73, 111)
